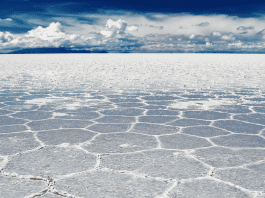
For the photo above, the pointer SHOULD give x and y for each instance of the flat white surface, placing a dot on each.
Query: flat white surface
(128, 70)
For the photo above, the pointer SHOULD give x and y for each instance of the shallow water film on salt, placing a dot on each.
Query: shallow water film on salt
(132, 125)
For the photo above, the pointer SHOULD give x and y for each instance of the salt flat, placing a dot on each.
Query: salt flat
(132, 125)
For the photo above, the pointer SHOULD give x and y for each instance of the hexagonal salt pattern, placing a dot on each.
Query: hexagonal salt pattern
(233, 109)
(131, 143)
(153, 129)
(51, 162)
(120, 143)
(19, 188)
(16, 143)
(33, 115)
(204, 131)
(12, 128)
(220, 157)
(189, 122)
(158, 163)
(238, 140)
(206, 188)
(252, 118)
(183, 141)
(57, 124)
(5, 120)
(111, 184)
(206, 115)
(238, 126)
(69, 136)
(254, 173)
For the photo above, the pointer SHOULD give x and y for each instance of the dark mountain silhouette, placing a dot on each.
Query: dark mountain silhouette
(53, 51)
(63, 50)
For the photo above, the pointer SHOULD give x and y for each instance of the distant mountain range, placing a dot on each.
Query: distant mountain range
(63, 50)
(52, 51)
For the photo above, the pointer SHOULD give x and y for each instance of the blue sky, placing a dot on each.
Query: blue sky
(133, 26)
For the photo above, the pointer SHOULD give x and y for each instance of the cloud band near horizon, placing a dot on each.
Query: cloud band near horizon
(155, 33)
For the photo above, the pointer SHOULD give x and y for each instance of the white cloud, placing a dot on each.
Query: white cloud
(208, 44)
(53, 31)
(8, 19)
(6, 37)
(114, 28)
(51, 36)
(192, 36)
(120, 24)
(130, 34)
(216, 33)
(131, 28)
(108, 33)
(236, 44)
(112, 36)
(228, 37)
(171, 24)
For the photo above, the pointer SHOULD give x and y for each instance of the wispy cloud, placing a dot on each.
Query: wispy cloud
(6, 20)
(245, 28)
(203, 24)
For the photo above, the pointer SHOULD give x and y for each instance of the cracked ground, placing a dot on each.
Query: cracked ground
(112, 141)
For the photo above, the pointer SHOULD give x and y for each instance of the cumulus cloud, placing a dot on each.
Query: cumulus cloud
(53, 31)
(203, 24)
(6, 37)
(243, 28)
(51, 36)
(120, 24)
(213, 37)
(114, 28)
(115, 35)
(120, 35)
